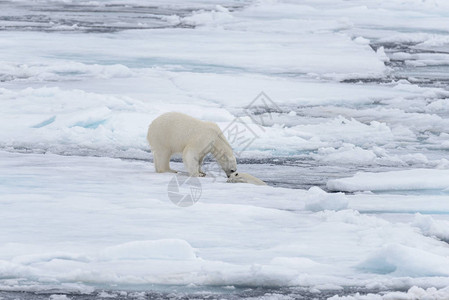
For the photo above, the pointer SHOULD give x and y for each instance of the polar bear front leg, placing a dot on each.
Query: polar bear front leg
(200, 163)
(191, 159)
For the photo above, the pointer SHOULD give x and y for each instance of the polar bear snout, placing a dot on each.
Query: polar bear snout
(228, 173)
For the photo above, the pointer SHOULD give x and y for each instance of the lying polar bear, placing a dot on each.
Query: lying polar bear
(240, 177)
(175, 132)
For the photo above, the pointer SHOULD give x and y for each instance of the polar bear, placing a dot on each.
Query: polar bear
(241, 177)
(175, 132)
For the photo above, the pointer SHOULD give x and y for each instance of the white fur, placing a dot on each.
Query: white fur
(238, 177)
(175, 132)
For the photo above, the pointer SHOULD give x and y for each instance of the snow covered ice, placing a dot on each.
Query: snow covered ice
(351, 134)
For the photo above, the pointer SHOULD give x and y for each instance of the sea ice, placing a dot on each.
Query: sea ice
(110, 221)
(353, 86)
(408, 180)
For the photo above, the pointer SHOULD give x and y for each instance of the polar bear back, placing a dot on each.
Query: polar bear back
(174, 131)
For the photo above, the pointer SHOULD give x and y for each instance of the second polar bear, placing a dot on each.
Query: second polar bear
(241, 177)
(175, 132)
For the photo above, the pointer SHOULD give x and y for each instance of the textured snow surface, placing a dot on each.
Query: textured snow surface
(101, 221)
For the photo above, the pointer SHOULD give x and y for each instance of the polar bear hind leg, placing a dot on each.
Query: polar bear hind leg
(162, 161)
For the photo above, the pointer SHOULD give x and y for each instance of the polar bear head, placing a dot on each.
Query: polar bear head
(227, 162)
(229, 165)
(224, 155)
(235, 177)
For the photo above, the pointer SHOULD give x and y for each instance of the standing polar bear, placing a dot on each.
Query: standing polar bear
(174, 132)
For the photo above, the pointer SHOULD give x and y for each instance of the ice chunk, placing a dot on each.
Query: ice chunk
(408, 180)
(381, 54)
(348, 154)
(318, 200)
(361, 40)
(405, 261)
(431, 227)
